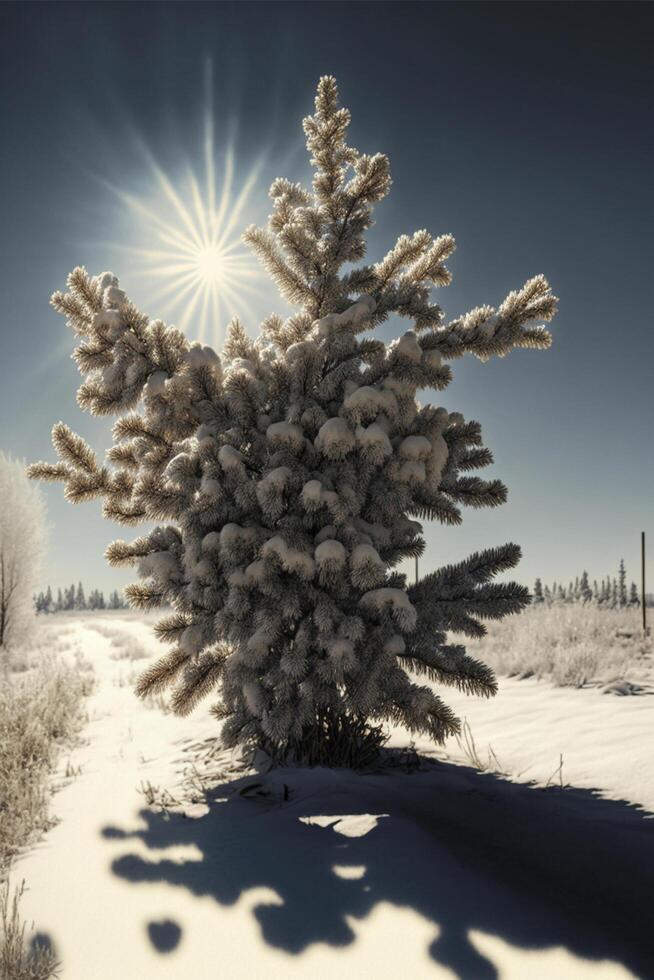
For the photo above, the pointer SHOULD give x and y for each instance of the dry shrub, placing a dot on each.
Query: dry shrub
(18, 959)
(39, 711)
(571, 645)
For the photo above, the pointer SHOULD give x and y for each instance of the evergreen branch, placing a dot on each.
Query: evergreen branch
(452, 666)
(171, 628)
(128, 514)
(85, 486)
(73, 449)
(85, 289)
(291, 285)
(475, 492)
(145, 597)
(159, 675)
(121, 553)
(50, 472)
(199, 679)
(78, 316)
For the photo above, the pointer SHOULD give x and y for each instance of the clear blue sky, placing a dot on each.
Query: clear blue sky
(523, 129)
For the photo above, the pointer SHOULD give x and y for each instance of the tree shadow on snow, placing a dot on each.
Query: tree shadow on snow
(539, 868)
(164, 935)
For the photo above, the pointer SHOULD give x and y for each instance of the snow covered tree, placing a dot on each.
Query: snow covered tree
(291, 473)
(22, 542)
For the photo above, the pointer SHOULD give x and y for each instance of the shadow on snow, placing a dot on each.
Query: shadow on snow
(538, 868)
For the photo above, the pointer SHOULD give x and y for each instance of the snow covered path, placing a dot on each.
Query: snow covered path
(445, 873)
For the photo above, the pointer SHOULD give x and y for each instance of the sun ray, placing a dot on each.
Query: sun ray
(239, 204)
(186, 249)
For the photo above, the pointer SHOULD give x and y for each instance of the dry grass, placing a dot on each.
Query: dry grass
(126, 646)
(46, 640)
(468, 747)
(155, 702)
(18, 959)
(39, 712)
(572, 645)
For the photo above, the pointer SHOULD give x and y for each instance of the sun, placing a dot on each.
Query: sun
(186, 250)
(209, 263)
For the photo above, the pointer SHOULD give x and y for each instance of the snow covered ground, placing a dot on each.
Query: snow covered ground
(444, 872)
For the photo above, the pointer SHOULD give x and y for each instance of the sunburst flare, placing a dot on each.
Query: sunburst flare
(190, 258)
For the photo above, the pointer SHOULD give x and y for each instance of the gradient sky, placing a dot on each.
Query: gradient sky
(523, 129)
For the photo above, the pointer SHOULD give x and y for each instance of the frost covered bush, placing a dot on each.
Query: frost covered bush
(39, 711)
(290, 474)
(22, 541)
(571, 645)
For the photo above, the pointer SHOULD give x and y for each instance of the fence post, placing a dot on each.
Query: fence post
(642, 581)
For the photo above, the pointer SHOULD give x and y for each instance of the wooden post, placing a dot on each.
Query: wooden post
(642, 581)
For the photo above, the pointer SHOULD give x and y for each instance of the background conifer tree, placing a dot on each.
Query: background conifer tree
(80, 599)
(291, 473)
(585, 591)
(622, 584)
(538, 591)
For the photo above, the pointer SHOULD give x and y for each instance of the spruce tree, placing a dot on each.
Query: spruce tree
(80, 599)
(585, 591)
(115, 602)
(622, 584)
(292, 472)
(634, 598)
(538, 591)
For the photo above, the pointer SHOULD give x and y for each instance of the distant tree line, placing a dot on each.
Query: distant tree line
(610, 593)
(74, 600)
